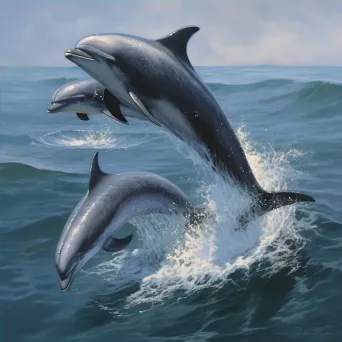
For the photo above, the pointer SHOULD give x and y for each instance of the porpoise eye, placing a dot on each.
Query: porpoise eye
(111, 62)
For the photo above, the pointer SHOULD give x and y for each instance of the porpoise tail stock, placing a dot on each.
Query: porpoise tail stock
(155, 79)
(112, 201)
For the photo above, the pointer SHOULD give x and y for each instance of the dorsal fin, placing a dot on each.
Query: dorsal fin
(177, 42)
(96, 174)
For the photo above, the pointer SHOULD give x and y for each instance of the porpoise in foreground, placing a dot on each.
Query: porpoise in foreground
(86, 97)
(155, 79)
(111, 201)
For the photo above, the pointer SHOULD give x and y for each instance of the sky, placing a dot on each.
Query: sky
(232, 32)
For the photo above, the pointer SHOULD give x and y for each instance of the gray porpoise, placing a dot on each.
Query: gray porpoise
(86, 97)
(156, 79)
(111, 201)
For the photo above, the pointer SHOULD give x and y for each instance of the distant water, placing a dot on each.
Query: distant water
(278, 281)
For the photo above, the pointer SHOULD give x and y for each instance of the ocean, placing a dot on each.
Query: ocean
(280, 280)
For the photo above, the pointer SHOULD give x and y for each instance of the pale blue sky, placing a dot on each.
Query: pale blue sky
(233, 32)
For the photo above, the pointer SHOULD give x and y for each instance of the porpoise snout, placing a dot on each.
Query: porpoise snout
(55, 107)
(66, 277)
(77, 53)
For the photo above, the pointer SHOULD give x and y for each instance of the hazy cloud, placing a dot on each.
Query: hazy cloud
(287, 32)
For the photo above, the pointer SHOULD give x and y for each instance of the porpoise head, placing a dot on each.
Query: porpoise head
(99, 57)
(73, 250)
(86, 231)
(81, 97)
(85, 97)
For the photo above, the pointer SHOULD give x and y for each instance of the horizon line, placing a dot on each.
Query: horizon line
(196, 66)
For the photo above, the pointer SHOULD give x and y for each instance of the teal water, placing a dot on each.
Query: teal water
(280, 280)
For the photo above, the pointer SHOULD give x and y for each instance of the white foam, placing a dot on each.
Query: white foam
(98, 138)
(166, 259)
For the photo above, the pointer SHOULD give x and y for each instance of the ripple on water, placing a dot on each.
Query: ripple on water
(95, 138)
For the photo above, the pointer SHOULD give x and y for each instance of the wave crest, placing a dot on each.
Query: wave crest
(300, 92)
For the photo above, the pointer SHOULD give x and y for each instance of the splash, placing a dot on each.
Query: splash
(100, 138)
(167, 259)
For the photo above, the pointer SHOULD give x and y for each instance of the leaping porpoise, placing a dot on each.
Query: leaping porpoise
(156, 79)
(111, 201)
(86, 97)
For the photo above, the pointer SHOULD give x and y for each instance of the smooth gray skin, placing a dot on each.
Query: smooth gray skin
(156, 79)
(111, 201)
(83, 97)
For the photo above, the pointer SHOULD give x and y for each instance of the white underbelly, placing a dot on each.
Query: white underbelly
(173, 120)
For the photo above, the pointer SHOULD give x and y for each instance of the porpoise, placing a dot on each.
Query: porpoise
(111, 201)
(84, 98)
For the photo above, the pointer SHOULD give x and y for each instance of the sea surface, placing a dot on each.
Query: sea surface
(280, 280)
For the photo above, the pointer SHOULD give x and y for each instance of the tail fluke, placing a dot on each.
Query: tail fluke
(268, 201)
(274, 200)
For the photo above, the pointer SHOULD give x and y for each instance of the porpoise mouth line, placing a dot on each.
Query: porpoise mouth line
(59, 105)
(78, 53)
(56, 106)
(69, 278)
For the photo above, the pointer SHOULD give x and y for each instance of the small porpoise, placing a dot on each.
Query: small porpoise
(86, 97)
(156, 79)
(111, 201)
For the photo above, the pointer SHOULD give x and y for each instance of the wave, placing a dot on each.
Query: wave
(12, 171)
(271, 83)
(58, 81)
(319, 90)
(53, 82)
(314, 99)
(313, 90)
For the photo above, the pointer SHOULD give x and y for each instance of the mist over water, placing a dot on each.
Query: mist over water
(278, 279)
